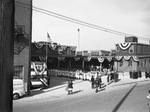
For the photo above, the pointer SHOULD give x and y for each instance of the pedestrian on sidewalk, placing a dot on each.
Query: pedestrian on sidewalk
(148, 97)
(92, 82)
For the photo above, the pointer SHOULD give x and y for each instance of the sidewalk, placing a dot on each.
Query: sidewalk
(58, 85)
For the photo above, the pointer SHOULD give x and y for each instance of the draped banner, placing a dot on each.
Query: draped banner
(127, 58)
(38, 45)
(109, 59)
(118, 58)
(135, 58)
(73, 48)
(39, 68)
(77, 59)
(124, 46)
(61, 58)
(52, 46)
(50, 60)
(87, 59)
(101, 59)
(42, 58)
(60, 50)
(63, 47)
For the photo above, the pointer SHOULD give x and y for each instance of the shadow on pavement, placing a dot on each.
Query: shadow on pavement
(55, 83)
(130, 82)
(74, 92)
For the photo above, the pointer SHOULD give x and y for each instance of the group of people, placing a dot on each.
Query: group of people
(96, 82)
(135, 74)
(112, 76)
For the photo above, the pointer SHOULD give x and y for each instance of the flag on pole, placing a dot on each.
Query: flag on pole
(49, 38)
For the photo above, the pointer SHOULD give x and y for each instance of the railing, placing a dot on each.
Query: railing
(21, 38)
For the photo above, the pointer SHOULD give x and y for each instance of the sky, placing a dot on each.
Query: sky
(127, 16)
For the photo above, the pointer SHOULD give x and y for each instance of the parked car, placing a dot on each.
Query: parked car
(18, 88)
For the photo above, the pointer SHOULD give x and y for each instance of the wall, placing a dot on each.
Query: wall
(23, 17)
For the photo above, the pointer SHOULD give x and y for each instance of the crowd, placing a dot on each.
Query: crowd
(95, 77)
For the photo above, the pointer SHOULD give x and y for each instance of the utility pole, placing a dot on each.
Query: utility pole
(6, 54)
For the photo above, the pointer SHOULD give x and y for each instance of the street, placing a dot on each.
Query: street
(127, 95)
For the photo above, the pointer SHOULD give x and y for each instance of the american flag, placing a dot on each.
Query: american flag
(49, 38)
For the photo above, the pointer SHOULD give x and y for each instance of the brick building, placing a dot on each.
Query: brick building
(132, 55)
(22, 40)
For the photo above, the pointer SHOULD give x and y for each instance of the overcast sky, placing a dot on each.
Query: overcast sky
(127, 16)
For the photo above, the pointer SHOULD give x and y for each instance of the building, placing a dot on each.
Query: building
(58, 56)
(132, 56)
(22, 40)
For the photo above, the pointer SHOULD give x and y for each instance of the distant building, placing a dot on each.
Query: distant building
(132, 55)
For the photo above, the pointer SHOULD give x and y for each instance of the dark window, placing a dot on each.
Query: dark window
(19, 71)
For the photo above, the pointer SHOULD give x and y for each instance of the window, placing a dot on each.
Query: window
(144, 49)
(138, 49)
(131, 49)
(117, 48)
(145, 62)
(19, 71)
(148, 50)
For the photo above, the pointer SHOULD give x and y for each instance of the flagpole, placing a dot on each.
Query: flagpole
(78, 39)
(46, 50)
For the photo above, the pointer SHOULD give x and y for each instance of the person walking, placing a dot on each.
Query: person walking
(92, 82)
(69, 87)
(98, 82)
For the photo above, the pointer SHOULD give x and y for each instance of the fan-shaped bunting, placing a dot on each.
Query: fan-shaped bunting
(124, 46)
(101, 59)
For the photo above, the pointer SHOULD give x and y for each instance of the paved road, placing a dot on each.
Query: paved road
(123, 96)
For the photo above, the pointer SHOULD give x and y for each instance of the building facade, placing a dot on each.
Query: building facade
(22, 40)
(132, 56)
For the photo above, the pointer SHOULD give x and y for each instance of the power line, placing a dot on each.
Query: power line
(50, 13)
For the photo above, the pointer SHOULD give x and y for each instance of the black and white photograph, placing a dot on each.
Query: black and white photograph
(74, 55)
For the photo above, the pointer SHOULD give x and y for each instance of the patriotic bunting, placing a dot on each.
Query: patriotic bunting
(63, 47)
(87, 59)
(135, 58)
(39, 68)
(109, 59)
(124, 46)
(100, 59)
(52, 46)
(127, 58)
(61, 58)
(73, 48)
(38, 45)
(60, 50)
(42, 58)
(77, 59)
(50, 60)
(118, 58)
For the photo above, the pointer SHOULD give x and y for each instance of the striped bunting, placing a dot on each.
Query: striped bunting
(100, 59)
(127, 58)
(124, 46)
(135, 58)
(87, 59)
